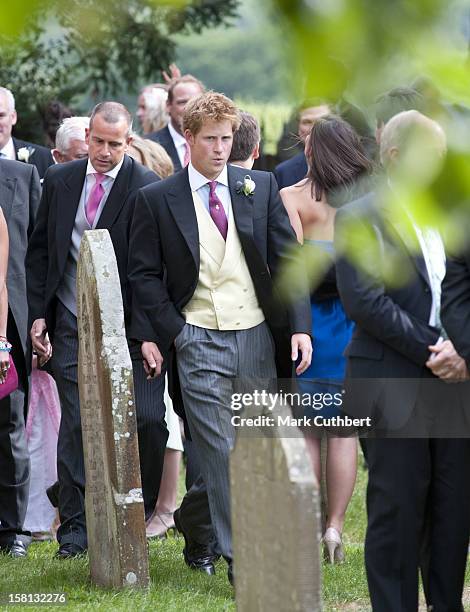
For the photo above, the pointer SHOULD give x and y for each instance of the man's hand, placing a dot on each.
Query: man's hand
(40, 340)
(446, 363)
(153, 359)
(302, 343)
(175, 73)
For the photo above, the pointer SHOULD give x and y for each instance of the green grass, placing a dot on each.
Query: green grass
(173, 586)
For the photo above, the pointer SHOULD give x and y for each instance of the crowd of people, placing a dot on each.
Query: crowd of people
(201, 240)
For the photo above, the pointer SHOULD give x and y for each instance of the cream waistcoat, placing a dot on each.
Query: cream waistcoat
(225, 297)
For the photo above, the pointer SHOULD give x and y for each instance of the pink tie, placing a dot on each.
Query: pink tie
(217, 211)
(94, 198)
(187, 155)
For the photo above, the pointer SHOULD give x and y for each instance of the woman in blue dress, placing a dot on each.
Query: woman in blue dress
(338, 169)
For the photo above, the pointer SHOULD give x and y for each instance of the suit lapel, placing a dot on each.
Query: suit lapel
(117, 196)
(67, 206)
(7, 192)
(171, 150)
(181, 205)
(405, 234)
(242, 207)
(17, 144)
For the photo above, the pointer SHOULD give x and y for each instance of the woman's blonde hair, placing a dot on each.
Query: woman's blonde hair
(152, 155)
(210, 106)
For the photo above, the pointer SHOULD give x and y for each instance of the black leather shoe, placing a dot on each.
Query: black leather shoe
(69, 550)
(14, 548)
(196, 556)
(230, 573)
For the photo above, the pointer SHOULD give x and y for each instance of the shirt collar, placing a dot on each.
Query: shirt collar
(111, 173)
(197, 180)
(178, 138)
(9, 149)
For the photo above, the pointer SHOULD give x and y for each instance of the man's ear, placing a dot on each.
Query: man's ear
(255, 153)
(14, 117)
(56, 156)
(393, 153)
(189, 137)
(87, 135)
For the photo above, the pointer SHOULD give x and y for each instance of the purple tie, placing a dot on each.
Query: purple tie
(217, 211)
(94, 198)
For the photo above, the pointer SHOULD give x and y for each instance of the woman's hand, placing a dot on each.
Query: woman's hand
(4, 365)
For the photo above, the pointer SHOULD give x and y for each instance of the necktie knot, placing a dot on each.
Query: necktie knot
(99, 178)
(212, 186)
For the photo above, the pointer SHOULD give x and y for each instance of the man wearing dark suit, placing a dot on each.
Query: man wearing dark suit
(19, 200)
(293, 170)
(418, 499)
(220, 239)
(77, 196)
(456, 301)
(13, 148)
(180, 91)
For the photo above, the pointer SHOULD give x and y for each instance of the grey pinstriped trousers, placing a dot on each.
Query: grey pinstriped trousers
(209, 361)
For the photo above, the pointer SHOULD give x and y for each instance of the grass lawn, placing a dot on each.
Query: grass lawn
(173, 586)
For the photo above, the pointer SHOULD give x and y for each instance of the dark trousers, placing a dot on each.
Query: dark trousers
(195, 515)
(14, 456)
(418, 498)
(152, 431)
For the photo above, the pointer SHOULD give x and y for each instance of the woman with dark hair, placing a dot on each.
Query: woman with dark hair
(338, 169)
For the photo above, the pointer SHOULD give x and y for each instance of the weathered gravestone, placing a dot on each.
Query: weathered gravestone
(275, 522)
(117, 545)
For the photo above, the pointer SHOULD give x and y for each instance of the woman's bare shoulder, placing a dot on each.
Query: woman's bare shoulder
(294, 190)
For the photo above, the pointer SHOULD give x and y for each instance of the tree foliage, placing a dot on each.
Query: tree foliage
(100, 48)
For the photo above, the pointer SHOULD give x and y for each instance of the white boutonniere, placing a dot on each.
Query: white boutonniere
(25, 153)
(247, 187)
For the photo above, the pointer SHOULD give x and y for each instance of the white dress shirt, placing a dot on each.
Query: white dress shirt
(199, 183)
(434, 255)
(8, 150)
(180, 143)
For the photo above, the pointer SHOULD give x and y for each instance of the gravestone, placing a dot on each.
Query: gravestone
(117, 545)
(275, 522)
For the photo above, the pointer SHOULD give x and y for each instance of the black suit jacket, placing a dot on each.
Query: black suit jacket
(164, 259)
(50, 243)
(455, 302)
(163, 137)
(20, 192)
(392, 332)
(291, 171)
(40, 156)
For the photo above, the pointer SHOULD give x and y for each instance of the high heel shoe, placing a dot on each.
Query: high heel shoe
(159, 525)
(333, 546)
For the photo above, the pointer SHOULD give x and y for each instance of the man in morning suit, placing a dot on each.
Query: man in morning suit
(20, 192)
(216, 310)
(171, 137)
(418, 498)
(77, 196)
(13, 148)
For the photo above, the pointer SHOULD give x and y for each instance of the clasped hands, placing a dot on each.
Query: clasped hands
(446, 363)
